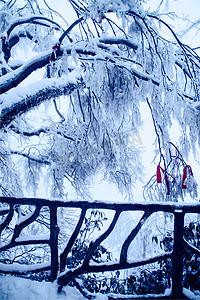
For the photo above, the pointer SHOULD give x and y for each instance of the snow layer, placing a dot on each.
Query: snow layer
(190, 295)
(21, 268)
(16, 288)
(16, 95)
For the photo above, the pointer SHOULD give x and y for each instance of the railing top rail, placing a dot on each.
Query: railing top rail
(140, 206)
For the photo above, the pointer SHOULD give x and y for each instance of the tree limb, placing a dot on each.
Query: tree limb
(8, 114)
(29, 20)
(35, 159)
(38, 132)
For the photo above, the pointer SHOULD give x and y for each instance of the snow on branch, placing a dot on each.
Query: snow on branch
(119, 41)
(14, 104)
(38, 132)
(11, 80)
(17, 268)
(30, 20)
(31, 158)
(123, 61)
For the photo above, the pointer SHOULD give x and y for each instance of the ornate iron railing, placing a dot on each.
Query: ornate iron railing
(57, 264)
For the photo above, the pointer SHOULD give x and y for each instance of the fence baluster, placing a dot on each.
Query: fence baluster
(54, 230)
(72, 239)
(177, 256)
(179, 210)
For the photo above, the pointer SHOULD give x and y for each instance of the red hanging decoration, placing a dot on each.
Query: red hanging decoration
(187, 168)
(3, 39)
(159, 178)
(169, 282)
(53, 54)
(158, 173)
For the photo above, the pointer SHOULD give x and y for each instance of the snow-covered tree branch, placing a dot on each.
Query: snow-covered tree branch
(93, 76)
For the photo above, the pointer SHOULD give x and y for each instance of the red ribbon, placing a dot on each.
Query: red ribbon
(187, 168)
(159, 178)
(53, 54)
(56, 47)
(101, 16)
(3, 38)
(169, 282)
(158, 173)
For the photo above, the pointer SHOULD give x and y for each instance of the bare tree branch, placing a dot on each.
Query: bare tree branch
(31, 158)
(38, 132)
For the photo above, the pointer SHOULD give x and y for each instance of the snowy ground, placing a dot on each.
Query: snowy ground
(15, 288)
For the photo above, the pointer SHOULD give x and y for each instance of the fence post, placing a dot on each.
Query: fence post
(177, 256)
(54, 230)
